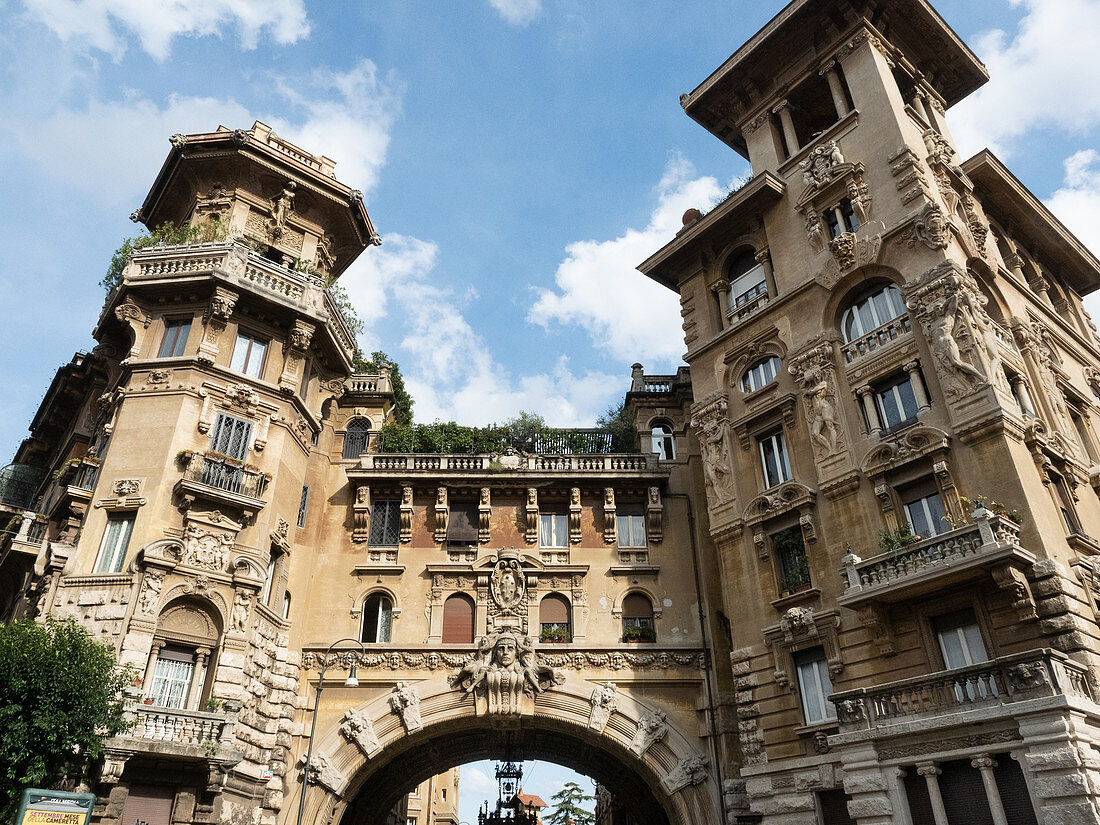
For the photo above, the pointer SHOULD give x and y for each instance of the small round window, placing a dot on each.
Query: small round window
(760, 374)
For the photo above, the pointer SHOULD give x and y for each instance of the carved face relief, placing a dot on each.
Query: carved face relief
(504, 654)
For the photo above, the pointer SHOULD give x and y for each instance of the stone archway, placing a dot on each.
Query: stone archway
(382, 748)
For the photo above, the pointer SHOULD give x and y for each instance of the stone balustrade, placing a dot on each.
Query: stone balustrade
(574, 464)
(154, 262)
(750, 307)
(892, 330)
(183, 727)
(367, 384)
(889, 576)
(1006, 680)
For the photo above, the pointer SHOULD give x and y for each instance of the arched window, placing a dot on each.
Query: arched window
(377, 618)
(638, 619)
(663, 442)
(554, 619)
(186, 637)
(747, 281)
(356, 438)
(871, 311)
(760, 374)
(458, 620)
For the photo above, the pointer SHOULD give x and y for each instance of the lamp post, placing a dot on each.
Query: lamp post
(351, 681)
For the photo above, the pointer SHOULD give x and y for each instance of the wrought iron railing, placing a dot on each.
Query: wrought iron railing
(225, 474)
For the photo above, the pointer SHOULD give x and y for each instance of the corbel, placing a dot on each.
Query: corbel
(654, 517)
(610, 533)
(873, 617)
(214, 319)
(1011, 578)
(406, 514)
(361, 515)
(484, 511)
(575, 515)
(294, 352)
(442, 511)
(531, 512)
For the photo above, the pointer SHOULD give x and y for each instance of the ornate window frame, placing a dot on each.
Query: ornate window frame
(801, 628)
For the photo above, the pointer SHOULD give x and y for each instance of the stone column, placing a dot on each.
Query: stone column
(986, 764)
(918, 104)
(782, 108)
(721, 290)
(835, 88)
(912, 368)
(154, 651)
(1040, 287)
(867, 399)
(764, 258)
(1020, 387)
(195, 691)
(904, 816)
(930, 772)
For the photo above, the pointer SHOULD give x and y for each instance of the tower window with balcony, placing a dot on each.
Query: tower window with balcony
(116, 538)
(385, 523)
(175, 338)
(377, 618)
(356, 438)
(814, 685)
(773, 459)
(553, 530)
(231, 436)
(748, 284)
(840, 219)
(792, 565)
(871, 311)
(896, 403)
(663, 442)
(760, 374)
(248, 355)
(924, 510)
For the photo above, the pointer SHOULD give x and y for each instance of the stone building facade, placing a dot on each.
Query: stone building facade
(850, 576)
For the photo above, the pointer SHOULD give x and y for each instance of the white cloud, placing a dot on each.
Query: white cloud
(110, 150)
(517, 12)
(1045, 75)
(1077, 202)
(600, 289)
(108, 25)
(476, 782)
(447, 364)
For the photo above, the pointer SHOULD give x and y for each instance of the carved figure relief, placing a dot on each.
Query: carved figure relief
(405, 702)
(151, 586)
(323, 773)
(356, 727)
(692, 770)
(712, 427)
(930, 228)
(818, 167)
(652, 728)
(241, 604)
(604, 700)
(202, 548)
(502, 672)
(281, 210)
(816, 376)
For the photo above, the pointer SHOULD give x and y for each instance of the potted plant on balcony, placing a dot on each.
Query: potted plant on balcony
(555, 634)
(634, 633)
(896, 540)
(213, 704)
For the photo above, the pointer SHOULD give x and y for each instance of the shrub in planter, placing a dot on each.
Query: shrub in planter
(639, 634)
(555, 634)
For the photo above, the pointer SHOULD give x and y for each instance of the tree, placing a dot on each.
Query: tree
(167, 234)
(402, 401)
(60, 697)
(567, 805)
(620, 421)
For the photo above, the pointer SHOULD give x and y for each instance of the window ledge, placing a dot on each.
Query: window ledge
(378, 569)
(798, 597)
(1084, 544)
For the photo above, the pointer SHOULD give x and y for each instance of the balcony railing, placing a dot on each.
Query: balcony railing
(894, 575)
(405, 462)
(1001, 681)
(184, 727)
(750, 307)
(85, 476)
(225, 474)
(899, 327)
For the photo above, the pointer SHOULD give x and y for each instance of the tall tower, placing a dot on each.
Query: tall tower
(896, 387)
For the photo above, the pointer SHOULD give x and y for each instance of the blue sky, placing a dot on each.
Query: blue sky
(519, 158)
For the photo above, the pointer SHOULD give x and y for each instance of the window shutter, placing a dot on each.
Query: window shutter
(554, 609)
(458, 620)
(231, 436)
(462, 524)
(916, 792)
(637, 606)
(1013, 789)
(384, 524)
(148, 805)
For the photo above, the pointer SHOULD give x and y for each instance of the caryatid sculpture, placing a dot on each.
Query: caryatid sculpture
(504, 676)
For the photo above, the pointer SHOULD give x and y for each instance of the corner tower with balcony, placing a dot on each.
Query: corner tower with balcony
(895, 387)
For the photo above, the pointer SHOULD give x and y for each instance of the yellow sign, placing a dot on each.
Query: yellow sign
(33, 817)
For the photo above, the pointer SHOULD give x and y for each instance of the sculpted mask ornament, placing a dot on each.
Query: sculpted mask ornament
(930, 228)
(692, 770)
(356, 727)
(405, 702)
(652, 728)
(604, 700)
(503, 675)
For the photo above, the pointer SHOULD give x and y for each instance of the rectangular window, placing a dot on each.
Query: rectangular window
(773, 456)
(248, 355)
(553, 530)
(959, 639)
(1063, 500)
(896, 403)
(112, 552)
(385, 523)
(302, 507)
(924, 509)
(631, 530)
(462, 524)
(749, 287)
(814, 685)
(840, 219)
(231, 436)
(790, 556)
(172, 676)
(175, 338)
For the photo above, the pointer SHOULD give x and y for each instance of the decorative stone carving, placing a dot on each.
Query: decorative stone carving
(815, 231)
(503, 673)
(843, 247)
(149, 597)
(575, 515)
(322, 772)
(817, 169)
(127, 487)
(531, 514)
(1028, 675)
(484, 512)
(711, 422)
(203, 548)
(610, 526)
(114, 763)
(361, 515)
(508, 584)
(242, 603)
(797, 623)
(849, 251)
(442, 511)
(218, 311)
(652, 728)
(406, 514)
(692, 770)
(281, 209)
(356, 727)
(930, 228)
(1010, 578)
(873, 617)
(604, 700)
(405, 702)
(654, 517)
(815, 373)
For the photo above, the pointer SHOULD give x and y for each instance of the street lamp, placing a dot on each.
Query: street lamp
(351, 681)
